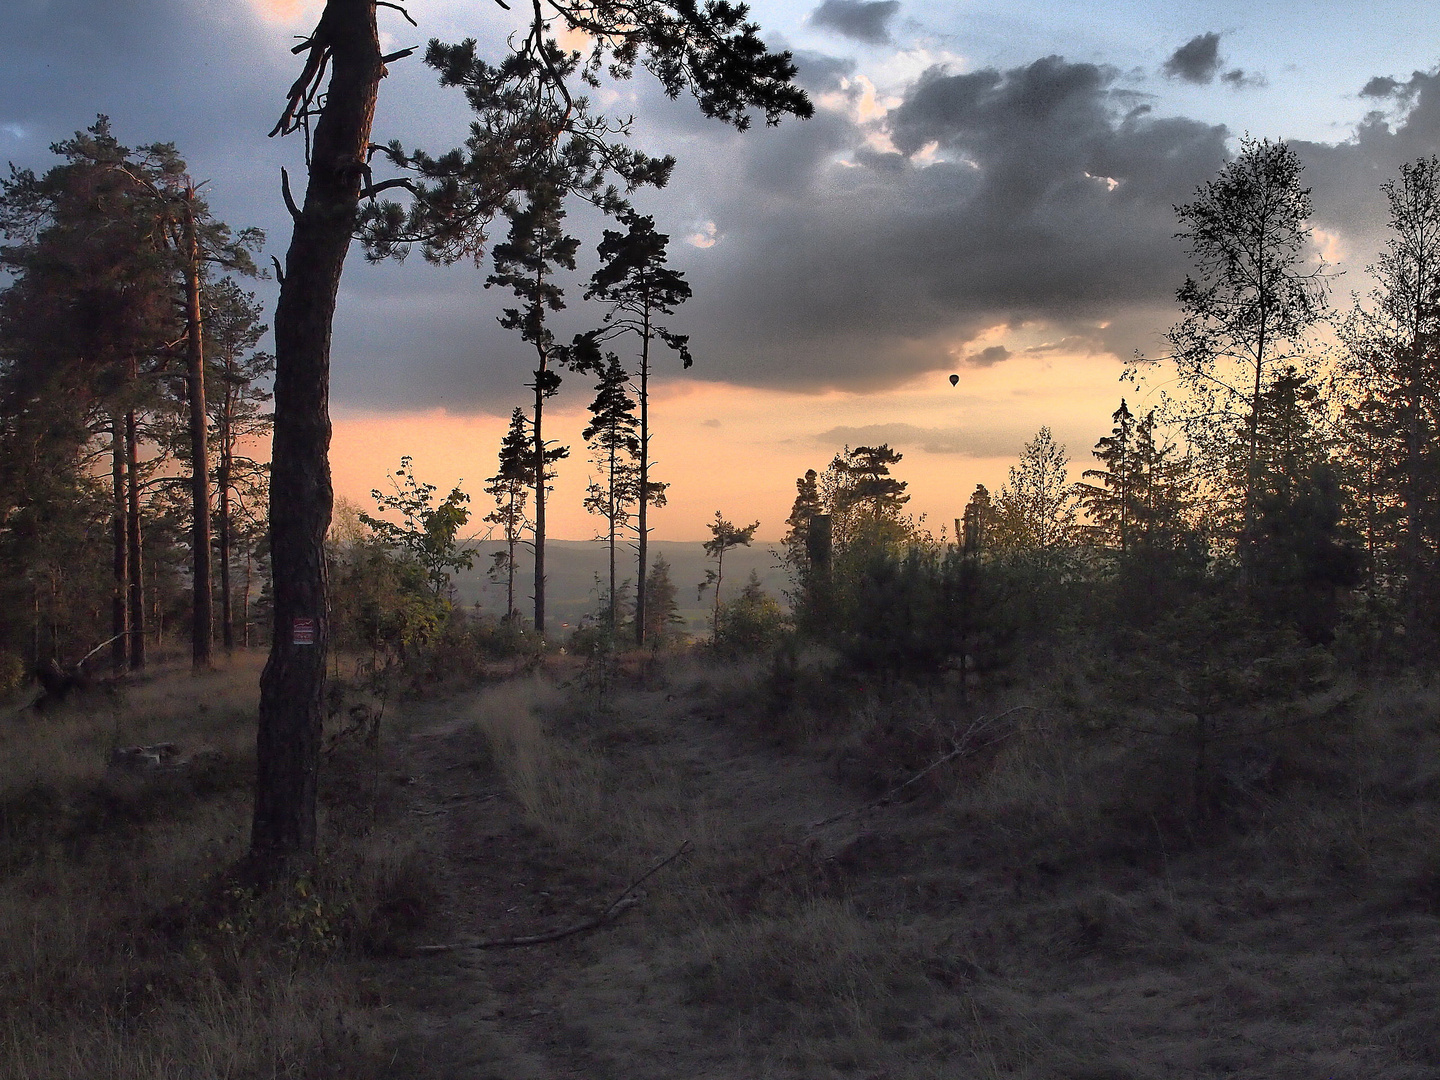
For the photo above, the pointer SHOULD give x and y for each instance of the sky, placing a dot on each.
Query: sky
(987, 189)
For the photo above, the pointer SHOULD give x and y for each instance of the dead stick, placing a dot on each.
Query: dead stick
(622, 903)
(889, 796)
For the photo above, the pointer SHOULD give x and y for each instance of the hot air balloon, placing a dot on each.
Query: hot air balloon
(954, 380)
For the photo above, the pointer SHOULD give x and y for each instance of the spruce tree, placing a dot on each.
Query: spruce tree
(510, 488)
(978, 523)
(663, 611)
(1109, 501)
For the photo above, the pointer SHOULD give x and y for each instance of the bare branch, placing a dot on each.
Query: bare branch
(387, 185)
(289, 198)
(621, 904)
(279, 273)
(397, 7)
(960, 750)
(398, 55)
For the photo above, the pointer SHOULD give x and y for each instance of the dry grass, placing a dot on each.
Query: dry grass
(1050, 908)
(125, 949)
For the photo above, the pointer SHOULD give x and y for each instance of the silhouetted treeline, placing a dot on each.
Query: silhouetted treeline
(1280, 496)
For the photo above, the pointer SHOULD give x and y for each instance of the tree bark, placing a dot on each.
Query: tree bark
(540, 498)
(223, 537)
(227, 617)
(642, 527)
(136, 551)
(292, 688)
(202, 605)
(119, 610)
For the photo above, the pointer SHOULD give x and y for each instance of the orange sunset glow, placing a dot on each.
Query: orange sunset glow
(740, 450)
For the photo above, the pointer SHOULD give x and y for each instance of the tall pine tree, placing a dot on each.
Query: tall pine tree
(614, 440)
(526, 263)
(639, 286)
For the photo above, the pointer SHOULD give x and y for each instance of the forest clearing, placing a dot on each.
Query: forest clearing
(947, 584)
(1044, 904)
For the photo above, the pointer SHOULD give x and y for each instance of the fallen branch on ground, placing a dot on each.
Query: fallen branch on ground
(622, 903)
(962, 748)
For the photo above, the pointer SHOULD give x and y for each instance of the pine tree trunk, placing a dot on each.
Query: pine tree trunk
(227, 618)
(643, 535)
(201, 584)
(119, 609)
(614, 513)
(245, 599)
(292, 688)
(225, 538)
(510, 540)
(136, 552)
(540, 499)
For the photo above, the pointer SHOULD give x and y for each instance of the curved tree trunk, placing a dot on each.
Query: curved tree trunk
(293, 685)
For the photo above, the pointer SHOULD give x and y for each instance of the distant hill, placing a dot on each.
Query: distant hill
(572, 566)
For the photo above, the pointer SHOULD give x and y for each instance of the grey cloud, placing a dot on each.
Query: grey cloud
(864, 275)
(818, 72)
(1048, 202)
(1381, 86)
(1197, 61)
(863, 20)
(1239, 79)
(1384, 86)
(870, 274)
(987, 357)
(959, 441)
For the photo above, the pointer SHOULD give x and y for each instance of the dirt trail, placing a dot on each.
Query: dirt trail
(911, 943)
(592, 1006)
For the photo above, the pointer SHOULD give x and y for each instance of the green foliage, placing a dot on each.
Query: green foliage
(529, 124)
(1035, 510)
(662, 609)
(1389, 382)
(1247, 310)
(752, 623)
(384, 602)
(724, 535)
(919, 612)
(428, 532)
(510, 488)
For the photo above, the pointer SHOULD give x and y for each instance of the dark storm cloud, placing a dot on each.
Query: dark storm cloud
(1345, 177)
(1197, 61)
(1039, 198)
(864, 21)
(1048, 199)
(858, 250)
